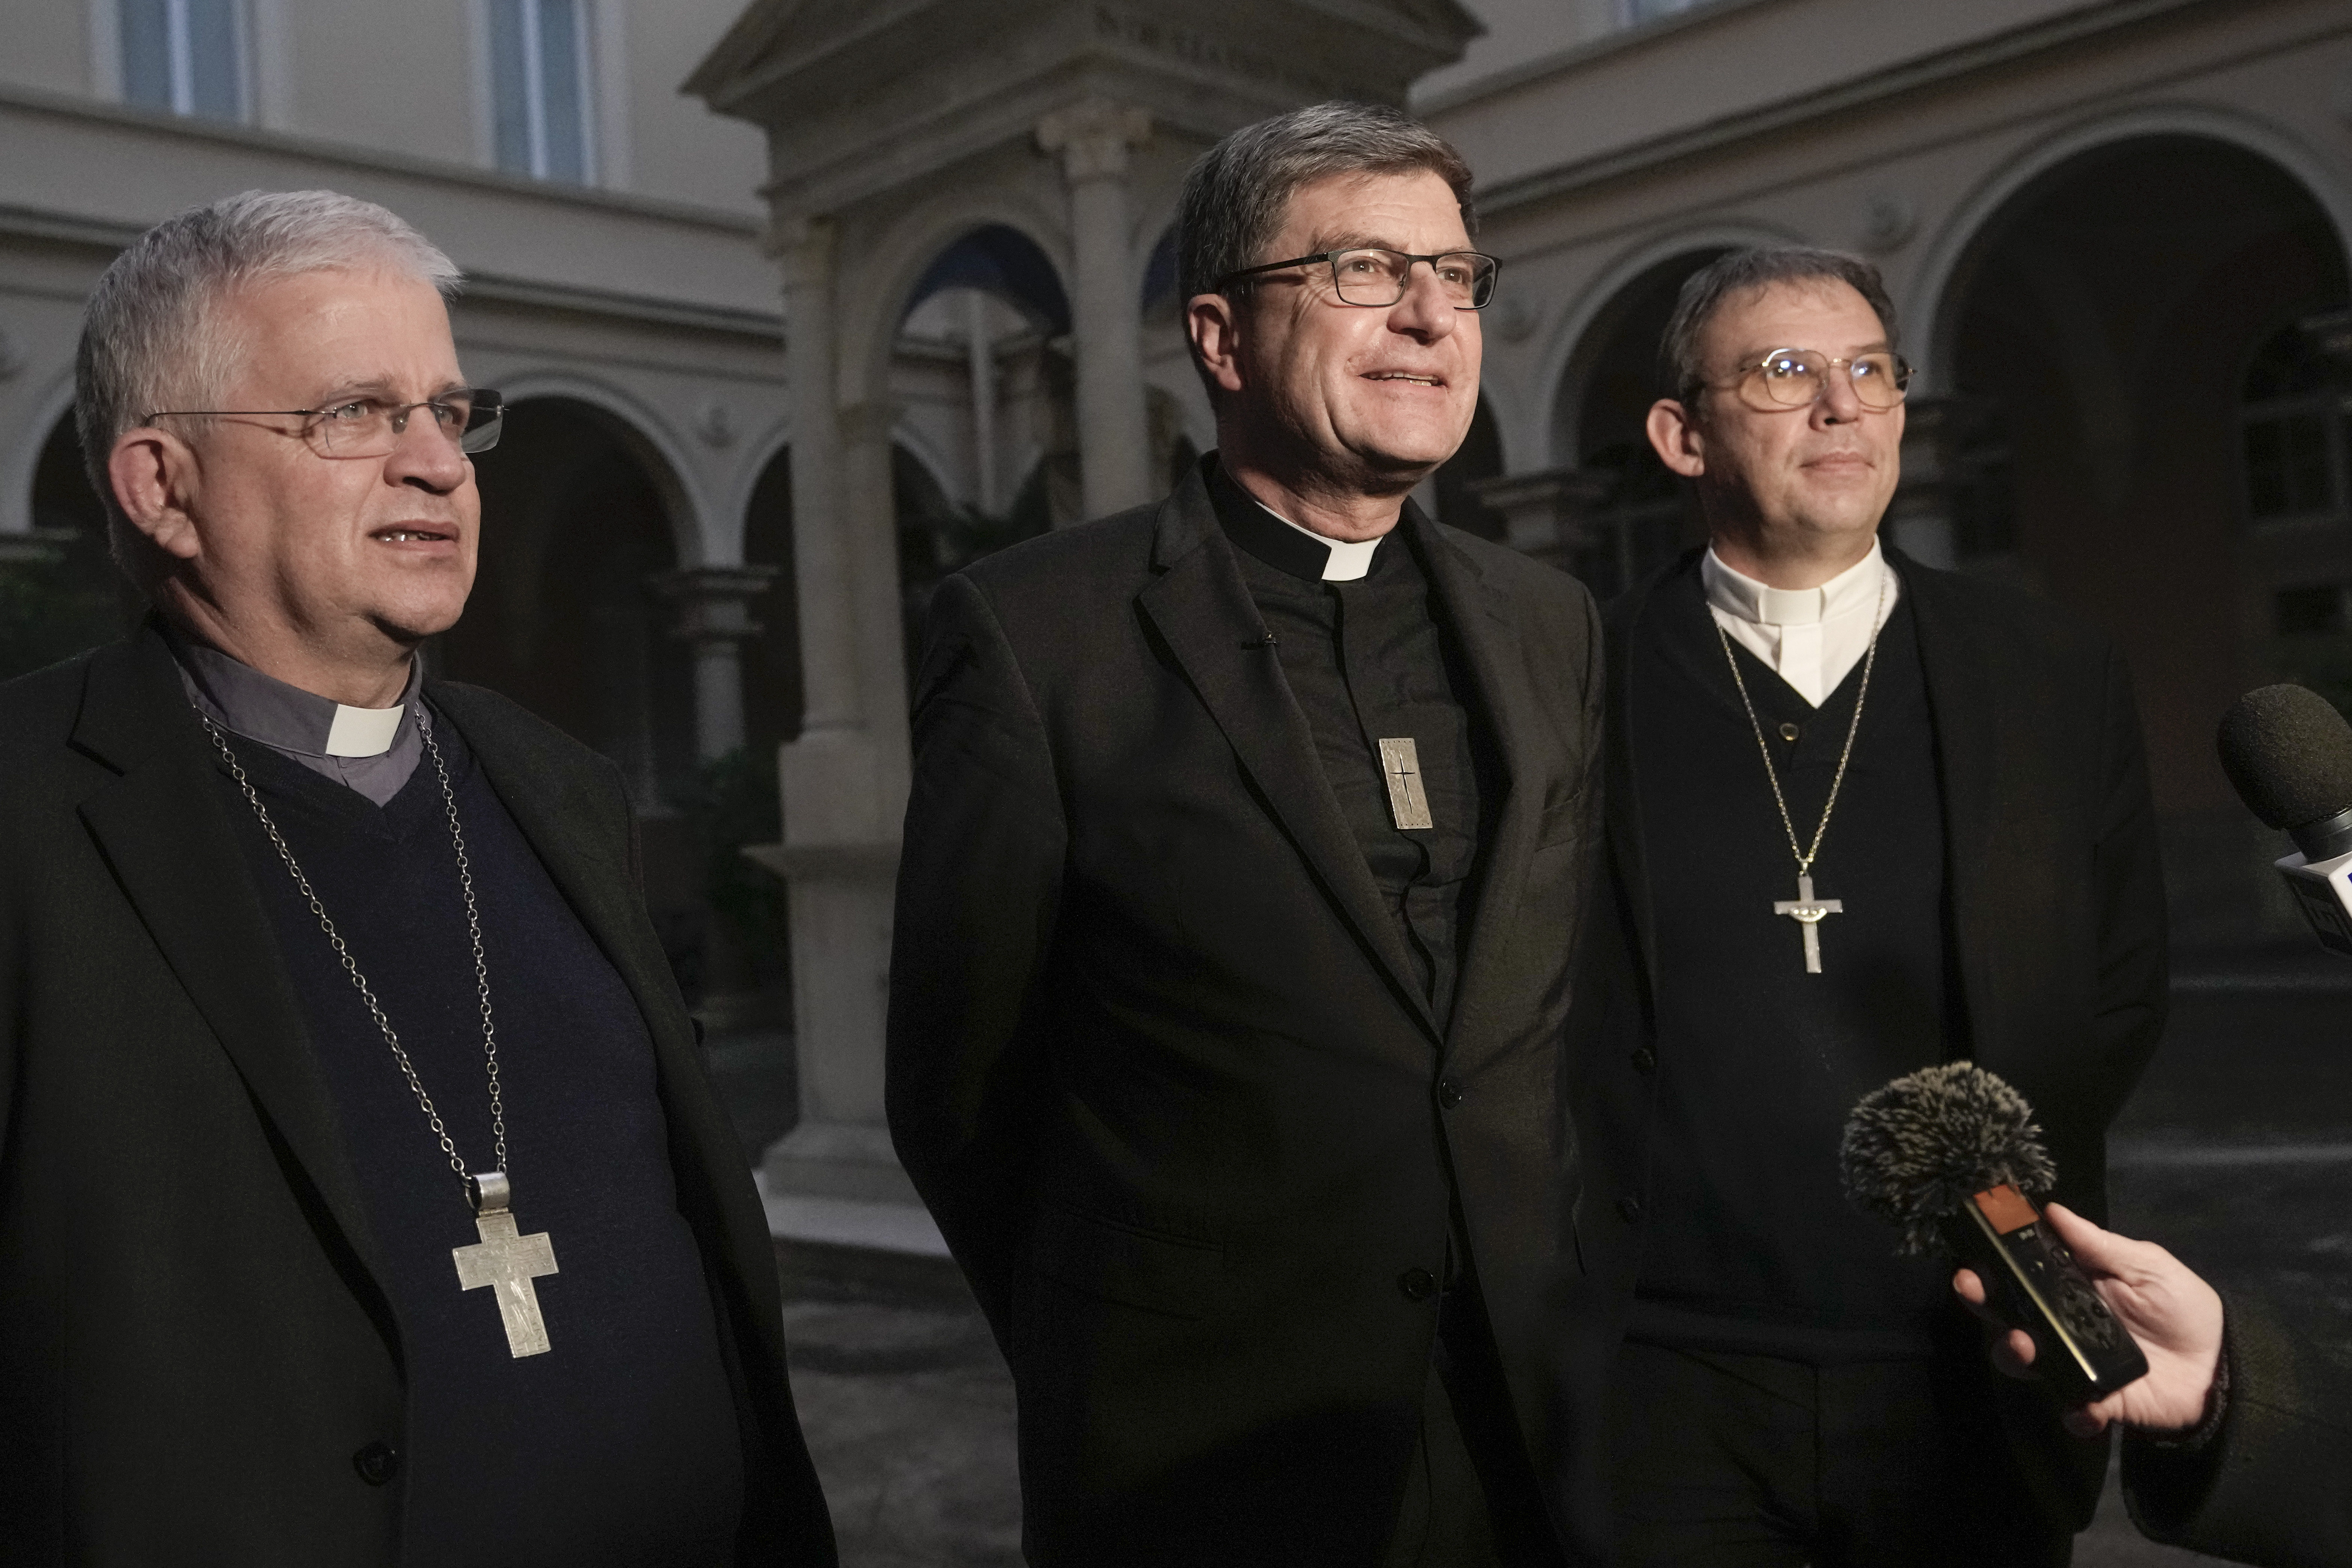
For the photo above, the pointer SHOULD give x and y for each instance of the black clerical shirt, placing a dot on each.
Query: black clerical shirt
(621, 1444)
(1369, 660)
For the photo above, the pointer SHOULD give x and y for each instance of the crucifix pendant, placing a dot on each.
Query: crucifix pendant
(507, 1262)
(1806, 910)
(1408, 802)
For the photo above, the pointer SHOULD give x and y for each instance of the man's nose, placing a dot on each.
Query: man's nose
(1424, 312)
(425, 455)
(1839, 403)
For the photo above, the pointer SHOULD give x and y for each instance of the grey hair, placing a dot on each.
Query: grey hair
(152, 337)
(1707, 291)
(1237, 193)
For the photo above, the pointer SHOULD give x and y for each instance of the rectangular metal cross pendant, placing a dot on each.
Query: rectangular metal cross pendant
(1808, 910)
(507, 1262)
(1408, 802)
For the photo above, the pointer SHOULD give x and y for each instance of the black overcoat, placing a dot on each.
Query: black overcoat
(2274, 1485)
(2056, 908)
(197, 1362)
(1157, 1064)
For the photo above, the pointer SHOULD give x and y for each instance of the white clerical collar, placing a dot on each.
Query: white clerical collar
(244, 701)
(1852, 591)
(1349, 560)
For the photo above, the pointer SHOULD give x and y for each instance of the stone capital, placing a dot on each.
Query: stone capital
(1092, 138)
(714, 602)
(803, 248)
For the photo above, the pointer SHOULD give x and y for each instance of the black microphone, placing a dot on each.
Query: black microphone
(1948, 1156)
(2289, 752)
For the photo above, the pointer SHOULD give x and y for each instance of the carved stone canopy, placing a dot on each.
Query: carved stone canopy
(858, 99)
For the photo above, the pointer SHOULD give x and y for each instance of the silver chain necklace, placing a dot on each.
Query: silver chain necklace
(505, 1259)
(1805, 909)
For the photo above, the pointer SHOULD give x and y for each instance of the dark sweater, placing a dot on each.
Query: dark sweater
(620, 1444)
(1753, 1246)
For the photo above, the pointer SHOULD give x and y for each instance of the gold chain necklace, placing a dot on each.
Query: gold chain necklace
(1805, 909)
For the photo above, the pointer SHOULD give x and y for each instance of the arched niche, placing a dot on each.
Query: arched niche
(771, 658)
(1478, 459)
(1638, 515)
(563, 618)
(60, 590)
(2105, 334)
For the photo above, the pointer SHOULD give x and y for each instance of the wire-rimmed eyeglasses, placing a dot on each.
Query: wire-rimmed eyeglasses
(1372, 276)
(1797, 378)
(469, 418)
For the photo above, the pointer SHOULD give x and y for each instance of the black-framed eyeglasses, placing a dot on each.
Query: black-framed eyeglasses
(1374, 276)
(1798, 378)
(469, 418)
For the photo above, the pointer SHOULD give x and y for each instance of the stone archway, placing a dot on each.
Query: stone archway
(2115, 333)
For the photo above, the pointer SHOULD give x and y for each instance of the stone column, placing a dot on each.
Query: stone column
(714, 617)
(1092, 139)
(833, 1177)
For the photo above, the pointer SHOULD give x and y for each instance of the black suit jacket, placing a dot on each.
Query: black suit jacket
(2274, 1487)
(1157, 1064)
(2057, 910)
(195, 1349)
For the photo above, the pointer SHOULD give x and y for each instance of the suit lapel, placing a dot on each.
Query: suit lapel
(1967, 725)
(165, 829)
(1480, 617)
(1202, 609)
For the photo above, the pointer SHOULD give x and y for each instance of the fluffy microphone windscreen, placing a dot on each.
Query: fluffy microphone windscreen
(1917, 1150)
(2289, 753)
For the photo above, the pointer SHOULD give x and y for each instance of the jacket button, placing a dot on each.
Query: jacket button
(1629, 1209)
(1449, 1093)
(1645, 1059)
(377, 1463)
(1418, 1284)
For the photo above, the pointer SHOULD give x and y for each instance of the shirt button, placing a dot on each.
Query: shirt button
(1644, 1059)
(377, 1463)
(1418, 1284)
(1787, 732)
(1449, 1093)
(1629, 1209)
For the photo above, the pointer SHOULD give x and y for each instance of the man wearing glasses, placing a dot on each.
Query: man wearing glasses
(1247, 850)
(363, 1198)
(1864, 816)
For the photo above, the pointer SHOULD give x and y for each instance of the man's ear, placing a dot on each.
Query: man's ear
(154, 474)
(1214, 328)
(1676, 437)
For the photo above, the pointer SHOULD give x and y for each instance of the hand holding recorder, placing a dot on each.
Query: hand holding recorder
(2175, 1316)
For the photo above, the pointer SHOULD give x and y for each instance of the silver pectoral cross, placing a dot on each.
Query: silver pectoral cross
(1808, 910)
(1408, 802)
(506, 1262)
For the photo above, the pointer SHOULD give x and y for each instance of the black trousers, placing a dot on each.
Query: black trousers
(1725, 1460)
(1471, 1501)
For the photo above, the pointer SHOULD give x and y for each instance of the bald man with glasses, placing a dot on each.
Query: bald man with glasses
(363, 1199)
(1863, 816)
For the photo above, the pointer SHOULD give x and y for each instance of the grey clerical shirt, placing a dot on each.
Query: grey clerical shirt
(372, 750)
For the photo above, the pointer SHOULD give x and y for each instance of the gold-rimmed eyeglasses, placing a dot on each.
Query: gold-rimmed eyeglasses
(469, 418)
(1372, 276)
(1797, 378)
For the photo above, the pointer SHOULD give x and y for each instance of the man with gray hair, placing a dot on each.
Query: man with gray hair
(1864, 816)
(1246, 854)
(362, 1196)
